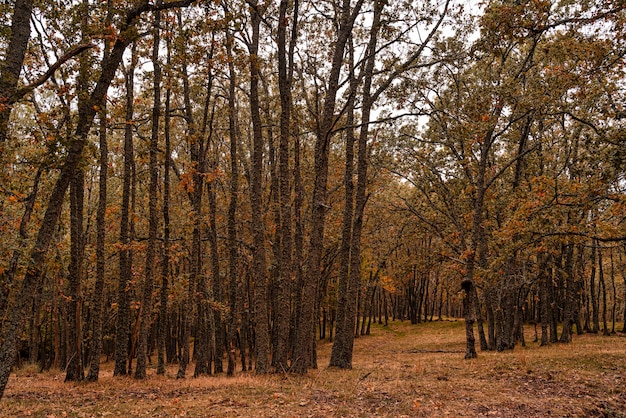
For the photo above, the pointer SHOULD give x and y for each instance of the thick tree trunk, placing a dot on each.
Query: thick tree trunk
(468, 306)
(7, 278)
(339, 357)
(304, 355)
(74, 368)
(285, 267)
(11, 67)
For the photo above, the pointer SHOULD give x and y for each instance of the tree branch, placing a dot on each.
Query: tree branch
(21, 92)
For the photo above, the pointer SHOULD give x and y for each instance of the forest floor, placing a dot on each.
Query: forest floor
(400, 370)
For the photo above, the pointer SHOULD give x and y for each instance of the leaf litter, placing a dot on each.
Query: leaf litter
(398, 371)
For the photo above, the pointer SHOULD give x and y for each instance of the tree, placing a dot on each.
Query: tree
(86, 114)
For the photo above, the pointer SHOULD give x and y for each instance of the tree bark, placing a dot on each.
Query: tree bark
(165, 262)
(11, 67)
(339, 355)
(259, 270)
(98, 302)
(74, 367)
(285, 266)
(233, 253)
(304, 355)
(122, 330)
(593, 295)
(145, 319)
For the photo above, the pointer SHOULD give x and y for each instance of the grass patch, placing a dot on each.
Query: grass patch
(400, 370)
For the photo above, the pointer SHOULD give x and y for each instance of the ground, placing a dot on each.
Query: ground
(400, 370)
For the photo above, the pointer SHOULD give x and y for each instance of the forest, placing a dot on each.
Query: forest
(229, 184)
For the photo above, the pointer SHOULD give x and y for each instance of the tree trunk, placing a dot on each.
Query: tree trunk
(145, 319)
(74, 368)
(614, 308)
(259, 269)
(165, 262)
(220, 331)
(544, 298)
(339, 355)
(98, 302)
(305, 332)
(233, 253)
(123, 303)
(568, 311)
(285, 267)
(11, 68)
(593, 295)
(605, 326)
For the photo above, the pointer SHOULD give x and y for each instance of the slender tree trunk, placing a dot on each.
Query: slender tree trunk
(122, 332)
(595, 321)
(233, 253)
(544, 299)
(165, 262)
(566, 333)
(614, 308)
(298, 243)
(220, 331)
(98, 302)
(162, 335)
(259, 269)
(602, 283)
(202, 344)
(145, 319)
(624, 279)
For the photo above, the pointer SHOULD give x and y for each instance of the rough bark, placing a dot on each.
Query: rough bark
(341, 355)
(122, 329)
(259, 270)
(11, 67)
(285, 267)
(203, 345)
(74, 367)
(304, 353)
(98, 297)
(595, 323)
(233, 253)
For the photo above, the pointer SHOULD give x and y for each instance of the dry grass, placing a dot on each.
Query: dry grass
(400, 370)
